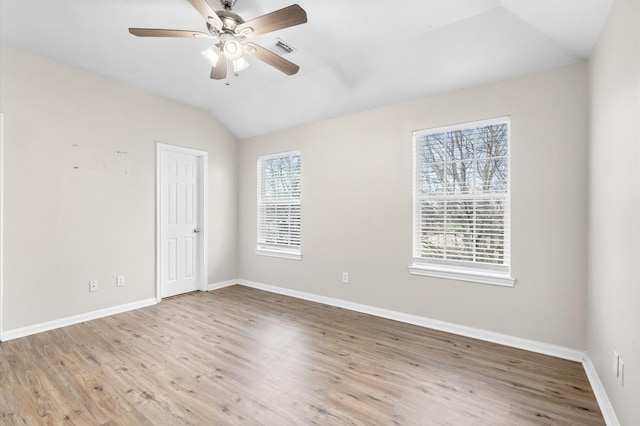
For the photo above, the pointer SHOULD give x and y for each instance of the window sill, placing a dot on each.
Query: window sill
(284, 254)
(463, 275)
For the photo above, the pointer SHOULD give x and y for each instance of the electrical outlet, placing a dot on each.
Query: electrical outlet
(93, 285)
(120, 280)
(345, 277)
(616, 363)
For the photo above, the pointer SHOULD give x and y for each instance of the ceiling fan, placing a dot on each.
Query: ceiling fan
(232, 32)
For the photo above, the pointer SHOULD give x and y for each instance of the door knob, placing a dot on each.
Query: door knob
(196, 230)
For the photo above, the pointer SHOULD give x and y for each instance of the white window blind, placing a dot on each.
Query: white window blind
(279, 204)
(461, 201)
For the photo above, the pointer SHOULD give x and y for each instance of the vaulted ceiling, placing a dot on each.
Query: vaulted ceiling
(353, 55)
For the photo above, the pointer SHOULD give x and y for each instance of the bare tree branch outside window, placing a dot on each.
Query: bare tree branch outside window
(462, 194)
(279, 208)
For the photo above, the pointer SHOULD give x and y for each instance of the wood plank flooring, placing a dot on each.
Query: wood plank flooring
(243, 356)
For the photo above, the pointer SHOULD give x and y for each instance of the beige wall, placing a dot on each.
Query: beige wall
(357, 209)
(614, 207)
(65, 226)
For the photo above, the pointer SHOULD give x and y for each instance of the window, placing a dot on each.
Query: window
(461, 202)
(279, 207)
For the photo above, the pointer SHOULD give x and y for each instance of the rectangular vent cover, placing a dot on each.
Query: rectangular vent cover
(281, 47)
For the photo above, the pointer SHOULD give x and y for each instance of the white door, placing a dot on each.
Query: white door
(180, 222)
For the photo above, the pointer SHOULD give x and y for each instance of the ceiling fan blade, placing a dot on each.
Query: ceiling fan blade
(156, 32)
(283, 18)
(271, 58)
(219, 72)
(207, 13)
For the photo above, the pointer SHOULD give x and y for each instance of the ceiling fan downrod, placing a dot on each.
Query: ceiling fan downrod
(228, 4)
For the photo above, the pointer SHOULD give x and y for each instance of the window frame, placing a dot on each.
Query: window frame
(471, 271)
(269, 249)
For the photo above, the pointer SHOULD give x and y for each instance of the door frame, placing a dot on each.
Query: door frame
(1, 222)
(203, 191)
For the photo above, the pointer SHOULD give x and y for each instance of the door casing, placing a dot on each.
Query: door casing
(1, 221)
(203, 191)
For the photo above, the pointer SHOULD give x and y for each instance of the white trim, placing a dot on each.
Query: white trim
(275, 250)
(452, 269)
(221, 284)
(1, 221)
(462, 330)
(601, 395)
(293, 255)
(75, 319)
(203, 177)
(204, 208)
(158, 236)
(463, 275)
(280, 154)
(456, 126)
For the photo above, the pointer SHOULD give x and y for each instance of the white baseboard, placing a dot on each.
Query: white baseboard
(221, 284)
(476, 333)
(601, 395)
(75, 319)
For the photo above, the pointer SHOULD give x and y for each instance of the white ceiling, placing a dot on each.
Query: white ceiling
(353, 55)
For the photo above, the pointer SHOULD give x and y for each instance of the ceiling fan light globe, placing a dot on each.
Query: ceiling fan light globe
(239, 65)
(211, 54)
(232, 50)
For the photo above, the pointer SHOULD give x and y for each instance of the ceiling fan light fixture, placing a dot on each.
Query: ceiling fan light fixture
(211, 54)
(232, 49)
(232, 33)
(239, 65)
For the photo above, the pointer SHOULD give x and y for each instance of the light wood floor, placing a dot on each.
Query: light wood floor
(243, 356)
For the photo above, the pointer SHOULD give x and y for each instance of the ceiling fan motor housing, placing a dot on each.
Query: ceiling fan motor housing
(229, 20)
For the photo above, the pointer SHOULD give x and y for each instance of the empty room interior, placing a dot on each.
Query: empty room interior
(259, 212)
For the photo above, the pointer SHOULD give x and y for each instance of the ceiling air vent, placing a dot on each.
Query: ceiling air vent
(281, 47)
